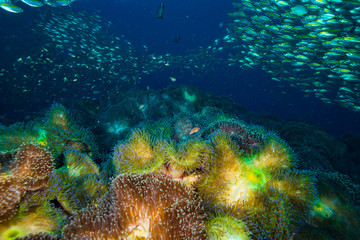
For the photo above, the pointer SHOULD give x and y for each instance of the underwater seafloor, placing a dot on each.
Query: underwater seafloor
(177, 163)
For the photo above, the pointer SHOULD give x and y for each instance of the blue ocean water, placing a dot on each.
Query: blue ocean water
(199, 24)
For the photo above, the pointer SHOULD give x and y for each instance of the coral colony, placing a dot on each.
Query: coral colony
(201, 176)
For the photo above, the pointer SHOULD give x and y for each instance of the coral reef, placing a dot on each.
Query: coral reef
(350, 163)
(252, 175)
(31, 190)
(64, 196)
(343, 182)
(189, 171)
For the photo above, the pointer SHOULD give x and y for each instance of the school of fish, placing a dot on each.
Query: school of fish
(12, 6)
(311, 44)
(64, 50)
(69, 50)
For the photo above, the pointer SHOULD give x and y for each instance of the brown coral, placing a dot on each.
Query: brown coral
(245, 136)
(33, 166)
(10, 195)
(30, 170)
(38, 236)
(147, 206)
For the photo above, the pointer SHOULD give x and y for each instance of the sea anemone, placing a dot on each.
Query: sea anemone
(142, 154)
(63, 132)
(148, 206)
(10, 195)
(276, 213)
(215, 186)
(236, 176)
(65, 190)
(45, 214)
(59, 115)
(259, 186)
(225, 227)
(92, 188)
(185, 160)
(66, 193)
(33, 224)
(137, 155)
(79, 164)
(33, 166)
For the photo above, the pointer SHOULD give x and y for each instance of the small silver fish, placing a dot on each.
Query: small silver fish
(11, 8)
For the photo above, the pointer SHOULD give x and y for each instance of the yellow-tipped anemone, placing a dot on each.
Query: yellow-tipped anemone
(227, 227)
(137, 155)
(241, 176)
(223, 183)
(259, 186)
(79, 164)
(274, 155)
(181, 161)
